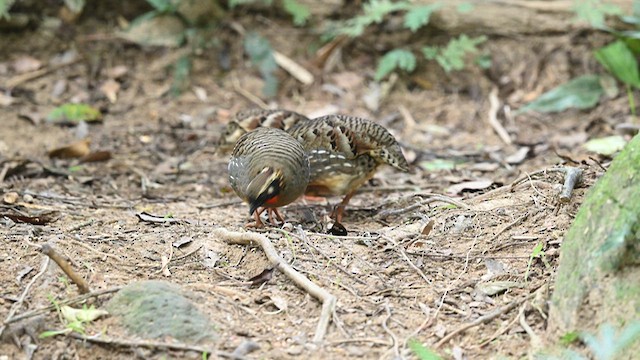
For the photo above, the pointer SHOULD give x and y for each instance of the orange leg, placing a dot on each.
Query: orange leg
(272, 212)
(258, 223)
(339, 209)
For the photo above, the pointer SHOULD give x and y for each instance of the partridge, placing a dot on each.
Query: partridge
(268, 169)
(247, 120)
(344, 153)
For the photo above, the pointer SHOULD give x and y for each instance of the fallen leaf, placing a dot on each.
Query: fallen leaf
(10, 197)
(6, 100)
(480, 184)
(26, 270)
(82, 315)
(497, 287)
(182, 241)
(606, 146)
(263, 277)
(279, 302)
(211, 257)
(146, 217)
(581, 93)
(72, 151)
(73, 113)
(33, 220)
(427, 228)
(485, 167)
(519, 156)
(96, 156)
(110, 89)
(26, 64)
(163, 30)
(437, 164)
(59, 88)
(117, 72)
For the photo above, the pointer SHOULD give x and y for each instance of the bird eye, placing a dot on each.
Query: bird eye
(270, 190)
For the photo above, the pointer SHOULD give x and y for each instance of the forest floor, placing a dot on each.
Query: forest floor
(413, 266)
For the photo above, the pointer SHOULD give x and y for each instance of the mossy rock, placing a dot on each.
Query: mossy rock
(598, 279)
(156, 309)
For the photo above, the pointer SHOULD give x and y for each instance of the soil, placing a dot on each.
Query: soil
(402, 273)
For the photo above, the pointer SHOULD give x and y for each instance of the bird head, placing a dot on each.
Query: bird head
(264, 189)
(229, 136)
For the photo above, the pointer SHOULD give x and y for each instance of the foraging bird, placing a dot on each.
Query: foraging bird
(268, 169)
(245, 121)
(344, 153)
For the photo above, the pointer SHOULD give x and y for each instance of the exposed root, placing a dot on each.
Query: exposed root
(82, 285)
(327, 299)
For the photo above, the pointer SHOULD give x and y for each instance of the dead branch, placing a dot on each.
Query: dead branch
(48, 250)
(153, 345)
(23, 296)
(571, 179)
(483, 319)
(327, 299)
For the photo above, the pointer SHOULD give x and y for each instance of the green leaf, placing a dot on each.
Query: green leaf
(606, 146)
(422, 352)
(81, 315)
(374, 13)
(299, 11)
(619, 61)
(581, 93)
(234, 3)
(74, 113)
(5, 5)
(569, 338)
(398, 58)
(261, 55)
(419, 16)
(181, 72)
(452, 56)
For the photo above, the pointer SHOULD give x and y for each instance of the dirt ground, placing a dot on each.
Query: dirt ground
(411, 266)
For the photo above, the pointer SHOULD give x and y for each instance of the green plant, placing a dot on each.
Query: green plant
(422, 352)
(618, 58)
(5, 5)
(73, 320)
(299, 12)
(609, 344)
(261, 55)
(536, 253)
(450, 57)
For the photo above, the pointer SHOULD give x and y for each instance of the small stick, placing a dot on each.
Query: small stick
(48, 250)
(153, 345)
(75, 300)
(483, 319)
(22, 78)
(23, 296)
(327, 299)
(431, 198)
(249, 96)
(494, 107)
(296, 70)
(572, 177)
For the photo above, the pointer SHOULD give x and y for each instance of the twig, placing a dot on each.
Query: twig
(23, 296)
(394, 338)
(535, 339)
(572, 177)
(327, 299)
(249, 96)
(406, 258)
(4, 171)
(483, 319)
(81, 244)
(23, 78)
(431, 198)
(153, 345)
(508, 226)
(71, 301)
(494, 107)
(296, 70)
(48, 250)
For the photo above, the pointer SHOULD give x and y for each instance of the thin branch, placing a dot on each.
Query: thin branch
(494, 107)
(327, 299)
(75, 300)
(571, 179)
(153, 345)
(48, 250)
(23, 296)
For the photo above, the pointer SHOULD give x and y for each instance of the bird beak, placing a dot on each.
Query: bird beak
(254, 204)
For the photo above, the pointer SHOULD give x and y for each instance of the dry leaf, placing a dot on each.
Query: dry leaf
(182, 241)
(6, 100)
(26, 64)
(263, 277)
(469, 185)
(75, 150)
(110, 89)
(96, 156)
(10, 197)
(427, 228)
(519, 156)
(146, 217)
(117, 72)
